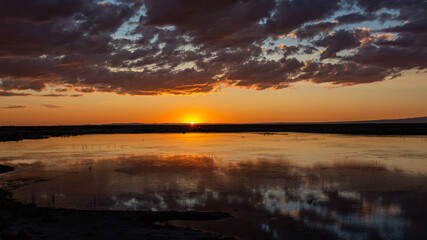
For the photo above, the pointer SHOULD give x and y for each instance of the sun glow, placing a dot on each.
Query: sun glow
(191, 118)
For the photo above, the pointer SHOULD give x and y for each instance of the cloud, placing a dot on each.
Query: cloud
(341, 40)
(12, 94)
(152, 47)
(372, 6)
(53, 95)
(391, 57)
(289, 50)
(352, 18)
(290, 15)
(312, 30)
(343, 73)
(61, 90)
(51, 106)
(262, 75)
(209, 22)
(14, 107)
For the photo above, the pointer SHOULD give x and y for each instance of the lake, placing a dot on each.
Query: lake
(345, 186)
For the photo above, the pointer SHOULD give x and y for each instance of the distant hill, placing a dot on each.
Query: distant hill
(404, 120)
(396, 121)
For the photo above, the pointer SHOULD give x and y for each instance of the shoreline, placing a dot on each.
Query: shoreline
(27, 221)
(18, 133)
(5, 169)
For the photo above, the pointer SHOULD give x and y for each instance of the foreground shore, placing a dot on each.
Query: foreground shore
(20, 221)
(27, 221)
(39, 132)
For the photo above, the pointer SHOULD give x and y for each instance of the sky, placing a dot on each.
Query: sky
(68, 62)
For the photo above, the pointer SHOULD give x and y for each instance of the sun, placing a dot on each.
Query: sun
(191, 119)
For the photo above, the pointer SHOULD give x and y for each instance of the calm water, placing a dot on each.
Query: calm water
(351, 187)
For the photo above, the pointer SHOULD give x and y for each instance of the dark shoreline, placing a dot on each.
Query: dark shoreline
(21, 221)
(5, 169)
(17, 133)
(27, 221)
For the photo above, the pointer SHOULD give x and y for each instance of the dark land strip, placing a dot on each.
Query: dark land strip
(17, 133)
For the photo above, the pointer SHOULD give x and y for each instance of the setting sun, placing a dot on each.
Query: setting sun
(192, 117)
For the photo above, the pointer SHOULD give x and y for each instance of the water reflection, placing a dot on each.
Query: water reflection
(271, 195)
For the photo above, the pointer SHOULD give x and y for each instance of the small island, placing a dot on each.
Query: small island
(5, 169)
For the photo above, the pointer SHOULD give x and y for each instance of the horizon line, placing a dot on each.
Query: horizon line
(422, 119)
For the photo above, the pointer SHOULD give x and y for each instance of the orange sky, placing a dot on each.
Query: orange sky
(93, 62)
(306, 102)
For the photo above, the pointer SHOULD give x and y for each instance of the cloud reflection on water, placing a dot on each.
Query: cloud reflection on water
(341, 186)
(347, 198)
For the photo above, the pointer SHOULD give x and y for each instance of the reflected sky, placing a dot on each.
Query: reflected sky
(345, 187)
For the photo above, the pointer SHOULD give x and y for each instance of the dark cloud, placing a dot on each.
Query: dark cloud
(209, 21)
(61, 90)
(291, 14)
(105, 19)
(45, 27)
(352, 18)
(151, 47)
(312, 30)
(51, 106)
(415, 25)
(53, 95)
(391, 57)
(406, 49)
(409, 40)
(12, 94)
(14, 107)
(289, 50)
(42, 10)
(262, 75)
(372, 6)
(344, 73)
(341, 40)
